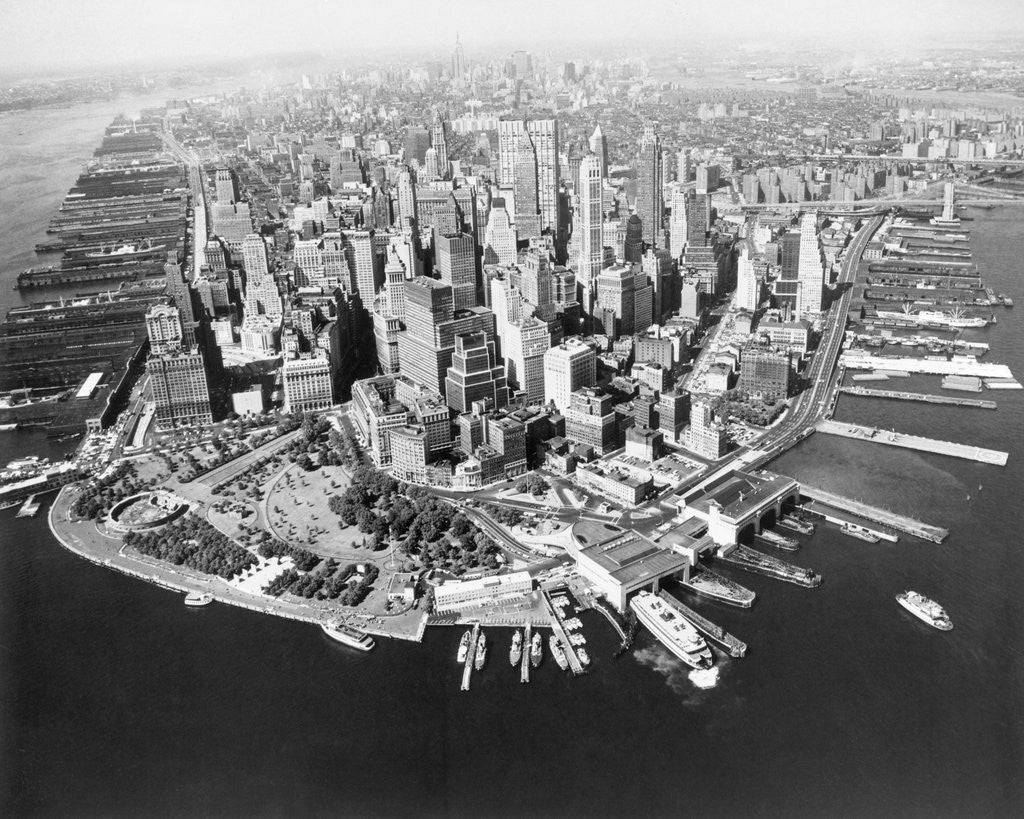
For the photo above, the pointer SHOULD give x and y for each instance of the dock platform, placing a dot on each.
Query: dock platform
(575, 666)
(900, 439)
(841, 518)
(735, 647)
(467, 670)
(901, 523)
(760, 563)
(524, 661)
(866, 392)
(29, 508)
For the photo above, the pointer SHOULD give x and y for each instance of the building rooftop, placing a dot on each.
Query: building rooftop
(743, 492)
(626, 556)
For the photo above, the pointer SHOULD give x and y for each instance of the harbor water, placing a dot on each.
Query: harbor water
(117, 700)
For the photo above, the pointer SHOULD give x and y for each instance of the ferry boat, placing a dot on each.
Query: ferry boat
(516, 653)
(536, 650)
(854, 530)
(348, 636)
(796, 524)
(672, 630)
(481, 652)
(196, 599)
(464, 646)
(719, 587)
(924, 609)
(558, 652)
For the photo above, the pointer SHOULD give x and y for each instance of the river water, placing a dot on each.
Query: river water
(117, 700)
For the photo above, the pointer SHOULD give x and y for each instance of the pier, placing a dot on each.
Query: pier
(866, 392)
(876, 514)
(467, 669)
(841, 518)
(900, 439)
(760, 563)
(524, 661)
(735, 647)
(29, 508)
(575, 666)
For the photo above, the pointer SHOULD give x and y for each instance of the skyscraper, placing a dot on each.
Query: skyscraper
(456, 266)
(568, 367)
(633, 246)
(544, 138)
(473, 374)
(254, 258)
(599, 147)
(677, 224)
(227, 186)
(590, 228)
(458, 61)
(406, 198)
(524, 188)
(431, 170)
(164, 328)
(648, 185)
(439, 142)
(811, 267)
(748, 286)
(499, 236)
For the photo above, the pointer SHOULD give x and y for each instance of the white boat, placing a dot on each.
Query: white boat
(481, 652)
(464, 646)
(197, 599)
(583, 657)
(672, 630)
(348, 635)
(558, 652)
(515, 654)
(924, 609)
(536, 649)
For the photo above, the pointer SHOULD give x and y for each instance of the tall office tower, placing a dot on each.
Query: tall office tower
(748, 285)
(381, 204)
(254, 258)
(811, 271)
(406, 247)
(458, 61)
(406, 197)
(666, 166)
(764, 372)
(624, 293)
(227, 186)
(439, 142)
(591, 419)
(307, 383)
(568, 367)
(365, 271)
(524, 187)
(456, 266)
(216, 254)
(573, 157)
(633, 244)
(659, 267)
(180, 391)
(673, 413)
(648, 185)
(430, 166)
(698, 219)
(544, 138)
(393, 292)
(705, 435)
(473, 374)
(590, 229)
(499, 235)
(264, 298)
(309, 262)
(163, 325)
(677, 224)
(523, 347)
(599, 147)
(683, 165)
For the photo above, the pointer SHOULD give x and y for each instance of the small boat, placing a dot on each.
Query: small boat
(924, 609)
(196, 599)
(349, 636)
(516, 652)
(536, 650)
(558, 652)
(861, 532)
(464, 646)
(584, 658)
(481, 652)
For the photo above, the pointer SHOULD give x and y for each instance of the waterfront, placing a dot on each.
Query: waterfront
(119, 700)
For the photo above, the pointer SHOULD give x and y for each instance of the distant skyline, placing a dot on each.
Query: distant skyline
(37, 34)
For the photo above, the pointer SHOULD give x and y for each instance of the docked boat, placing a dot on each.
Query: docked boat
(354, 638)
(797, 524)
(583, 657)
(196, 599)
(778, 541)
(853, 530)
(464, 646)
(536, 650)
(516, 653)
(717, 586)
(481, 652)
(924, 609)
(672, 630)
(558, 652)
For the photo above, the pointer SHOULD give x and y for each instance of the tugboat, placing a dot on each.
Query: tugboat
(558, 652)
(924, 609)
(481, 652)
(464, 646)
(516, 654)
(536, 650)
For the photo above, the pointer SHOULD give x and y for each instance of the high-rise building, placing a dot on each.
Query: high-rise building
(181, 293)
(705, 435)
(365, 267)
(164, 327)
(748, 284)
(307, 384)
(254, 258)
(525, 342)
(439, 142)
(659, 267)
(406, 197)
(524, 187)
(591, 224)
(499, 235)
(673, 413)
(568, 367)
(180, 392)
(473, 375)
(648, 185)
(458, 61)
(431, 168)
(623, 292)
(227, 186)
(764, 372)
(698, 219)
(599, 147)
(677, 224)
(811, 271)
(633, 244)
(543, 135)
(590, 419)
(456, 266)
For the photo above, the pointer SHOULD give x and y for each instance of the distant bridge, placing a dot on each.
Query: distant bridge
(941, 160)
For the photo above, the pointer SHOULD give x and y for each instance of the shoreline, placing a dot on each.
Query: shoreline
(277, 608)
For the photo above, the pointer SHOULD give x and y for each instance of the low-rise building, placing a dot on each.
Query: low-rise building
(456, 595)
(628, 488)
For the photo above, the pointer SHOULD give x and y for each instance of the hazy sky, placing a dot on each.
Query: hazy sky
(36, 33)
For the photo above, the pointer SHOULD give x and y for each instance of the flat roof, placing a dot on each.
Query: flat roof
(742, 492)
(626, 556)
(89, 385)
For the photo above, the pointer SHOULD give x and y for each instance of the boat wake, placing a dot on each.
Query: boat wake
(678, 676)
